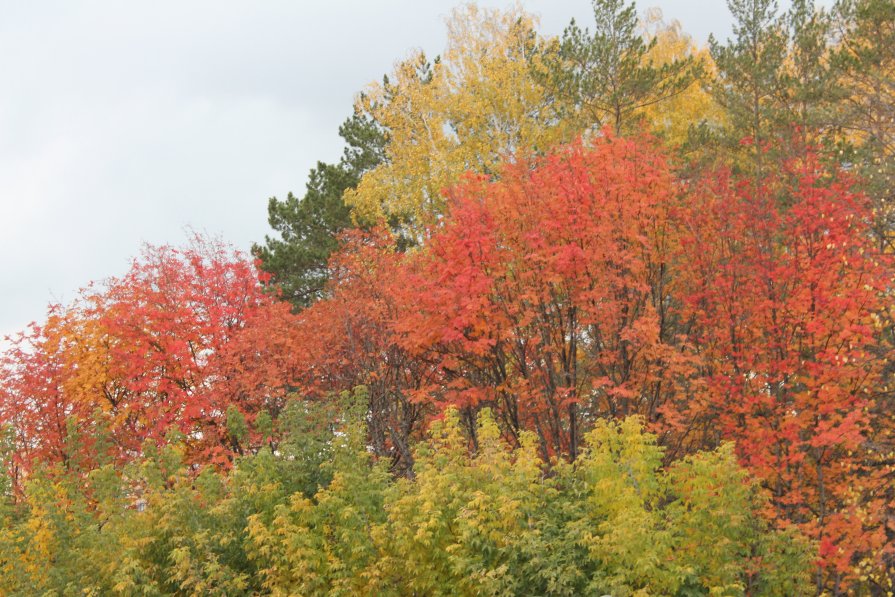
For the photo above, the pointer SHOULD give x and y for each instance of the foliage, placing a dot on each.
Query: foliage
(677, 116)
(348, 340)
(607, 78)
(308, 227)
(472, 108)
(544, 294)
(183, 338)
(749, 76)
(488, 522)
(620, 307)
(865, 59)
(784, 305)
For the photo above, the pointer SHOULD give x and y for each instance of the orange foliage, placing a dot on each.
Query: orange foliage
(583, 285)
(545, 293)
(348, 340)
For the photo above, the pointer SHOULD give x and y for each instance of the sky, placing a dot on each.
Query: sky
(124, 123)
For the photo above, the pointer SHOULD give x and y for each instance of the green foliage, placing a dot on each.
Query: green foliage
(607, 77)
(496, 521)
(726, 546)
(811, 79)
(780, 85)
(307, 430)
(323, 545)
(865, 57)
(237, 428)
(7, 448)
(308, 227)
(749, 75)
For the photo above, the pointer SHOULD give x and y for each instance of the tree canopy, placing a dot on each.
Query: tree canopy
(600, 313)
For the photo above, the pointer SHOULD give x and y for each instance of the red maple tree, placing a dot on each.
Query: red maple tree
(545, 293)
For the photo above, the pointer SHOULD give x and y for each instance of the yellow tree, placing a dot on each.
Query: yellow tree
(474, 108)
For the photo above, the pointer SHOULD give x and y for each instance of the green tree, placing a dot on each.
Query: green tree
(866, 58)
(308, 227)
(480, 518)
(614, 522)
(608, 77)
(322, 545)
(812, 82)
(749, 78)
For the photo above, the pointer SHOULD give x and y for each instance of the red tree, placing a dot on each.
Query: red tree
(348, 339)
(33, 404)
(545, 294)
(185, 334)
(783, 291)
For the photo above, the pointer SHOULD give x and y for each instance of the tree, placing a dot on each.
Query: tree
(812, 82)
(779, 85)
(471, 109)
(544, 295)
(323, 544)
(491, 522)
(308, 228)
(783, 304)
(172, 345)
(607, 78)
(34, 408)
(749, 77)
(347, 340)
(677, 116)
(866, 61)
(488, 521)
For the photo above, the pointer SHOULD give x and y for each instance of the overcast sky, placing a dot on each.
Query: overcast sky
(128, 122)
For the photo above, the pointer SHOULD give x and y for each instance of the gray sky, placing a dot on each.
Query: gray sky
(127, 122)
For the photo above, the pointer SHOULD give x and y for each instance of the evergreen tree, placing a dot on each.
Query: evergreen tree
(308, 227)
(812, 82)
(750, 77)
(866, 59)
(607, 77)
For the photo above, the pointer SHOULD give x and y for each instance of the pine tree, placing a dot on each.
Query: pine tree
(607, 76)
(750, 77)
(308, 227)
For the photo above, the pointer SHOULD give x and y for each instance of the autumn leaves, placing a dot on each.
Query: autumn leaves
(546, 321)
(167, 347)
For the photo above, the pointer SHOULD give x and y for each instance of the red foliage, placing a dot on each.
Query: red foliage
(33, 405)
(347, 340)
(545, 293)
(586, 284)
(783, 295)
(170, 345)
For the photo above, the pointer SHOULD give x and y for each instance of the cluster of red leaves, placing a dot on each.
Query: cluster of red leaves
(545, 294)
(591, 284)
(348, 339)
(169, 346)
(785, 297)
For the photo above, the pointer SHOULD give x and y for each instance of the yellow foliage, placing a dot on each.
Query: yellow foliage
(476, 107)
(672, 117)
